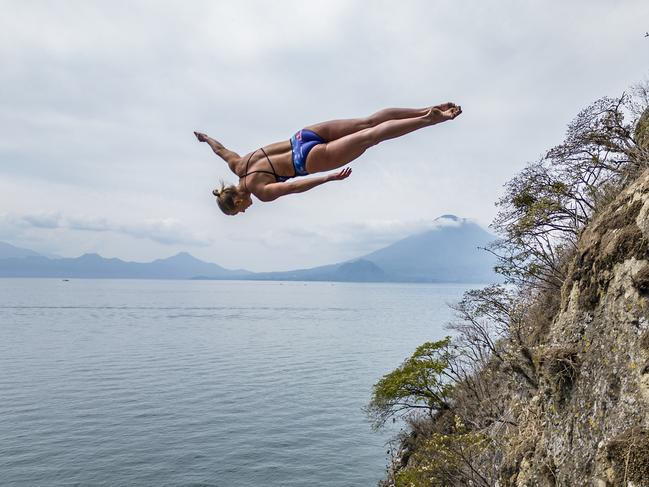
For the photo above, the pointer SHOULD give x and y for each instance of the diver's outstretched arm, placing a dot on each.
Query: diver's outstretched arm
(272, 191)
(231, 157)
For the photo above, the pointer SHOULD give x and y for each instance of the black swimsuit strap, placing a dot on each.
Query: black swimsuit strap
(274, 173)
(263, 172)
(246, 173)
(271, 163)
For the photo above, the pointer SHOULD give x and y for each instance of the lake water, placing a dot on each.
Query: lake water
(201, 383)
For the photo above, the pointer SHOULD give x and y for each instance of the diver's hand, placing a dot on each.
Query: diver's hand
(201, 136)
(339, 176)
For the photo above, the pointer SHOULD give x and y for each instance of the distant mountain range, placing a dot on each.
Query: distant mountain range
(449, 252)
(180, 266)
(9, 252)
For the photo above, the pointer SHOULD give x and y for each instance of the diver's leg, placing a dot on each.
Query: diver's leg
(337, 153)
(335, 129)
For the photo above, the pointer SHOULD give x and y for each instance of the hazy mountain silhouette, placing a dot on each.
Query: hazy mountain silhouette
(359, 270)
(449, 252)
(180, 266)
(8, 251)
(452, 251)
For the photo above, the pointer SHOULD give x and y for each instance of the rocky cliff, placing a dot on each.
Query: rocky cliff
(551, 380)
(588, 422)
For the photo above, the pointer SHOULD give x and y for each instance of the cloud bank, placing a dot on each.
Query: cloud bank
(166, 231)
(99, 103)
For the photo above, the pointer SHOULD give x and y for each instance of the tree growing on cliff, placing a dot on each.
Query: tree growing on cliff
(421, 382)
(547, 204)
(491, 326)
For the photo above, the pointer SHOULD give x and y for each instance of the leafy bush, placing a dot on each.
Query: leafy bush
(421, 382)
(547, 204)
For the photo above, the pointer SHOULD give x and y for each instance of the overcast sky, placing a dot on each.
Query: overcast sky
(98, 101)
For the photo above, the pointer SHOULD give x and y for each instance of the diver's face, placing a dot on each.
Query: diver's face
(243, 203)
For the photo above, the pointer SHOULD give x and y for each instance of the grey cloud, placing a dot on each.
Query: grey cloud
(166, 231)
(372, 235)
(89, 224)
(41, 220)
(354, 237)
(47, 221)
(103, 98)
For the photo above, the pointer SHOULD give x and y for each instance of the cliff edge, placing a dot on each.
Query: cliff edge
(544, 381)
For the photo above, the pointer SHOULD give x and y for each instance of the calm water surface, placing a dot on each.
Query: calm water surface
(232, 384)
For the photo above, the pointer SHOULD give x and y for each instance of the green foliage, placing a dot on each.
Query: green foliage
(421, 382)
(642, 131)
(548, 203)
(445, 459)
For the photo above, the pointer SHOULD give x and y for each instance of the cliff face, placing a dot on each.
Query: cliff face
(570, 406)
(548, 379)
(590, 415)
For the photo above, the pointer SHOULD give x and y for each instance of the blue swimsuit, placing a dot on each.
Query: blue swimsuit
(301, 144)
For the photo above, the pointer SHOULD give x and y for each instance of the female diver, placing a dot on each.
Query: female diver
(267, 172)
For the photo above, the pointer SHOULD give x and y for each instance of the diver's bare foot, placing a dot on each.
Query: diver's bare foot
(445, 106)
(201, 136)
(442, 113)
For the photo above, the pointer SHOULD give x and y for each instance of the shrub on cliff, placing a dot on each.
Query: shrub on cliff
(445, 459)
(422, 382)
(547, 204)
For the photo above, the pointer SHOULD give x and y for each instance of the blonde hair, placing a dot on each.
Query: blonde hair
(225, 198)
